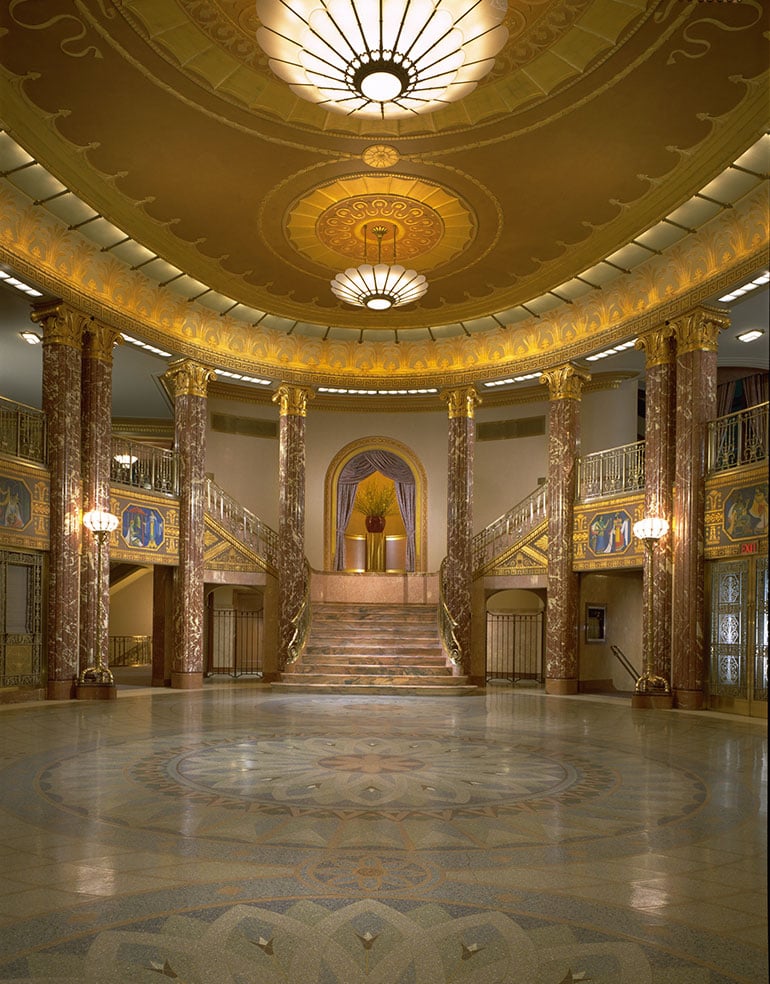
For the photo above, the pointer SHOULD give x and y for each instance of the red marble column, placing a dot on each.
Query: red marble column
(189, 382)
(561, 645)
(62, 341)
(696, 334)
(292, 404)
(96, 441)
(660, 398)
(458, 571)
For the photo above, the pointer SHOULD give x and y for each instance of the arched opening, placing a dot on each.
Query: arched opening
(383, 463)
(514, 646)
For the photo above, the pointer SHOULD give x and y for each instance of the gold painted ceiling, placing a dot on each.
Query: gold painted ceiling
(599, 118)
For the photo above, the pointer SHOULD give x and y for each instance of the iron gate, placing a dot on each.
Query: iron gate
(235, 642)
(515, 647)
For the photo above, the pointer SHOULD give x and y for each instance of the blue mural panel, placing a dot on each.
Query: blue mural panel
(142, 526)
(745, 512)
(15, 504)
(609, 532)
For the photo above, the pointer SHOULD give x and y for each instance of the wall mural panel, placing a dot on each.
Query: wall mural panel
(603, 534)
(737, 513)
(148, 531)
(24, 505)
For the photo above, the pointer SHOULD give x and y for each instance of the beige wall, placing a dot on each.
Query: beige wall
(609, 418)
(621, 592)
(131, 605)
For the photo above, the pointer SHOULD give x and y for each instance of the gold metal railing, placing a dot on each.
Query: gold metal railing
(509, 528)
(130, 650)
(447, 625)
(22, 431)
(143, 466)
(611, 472)
(250, 530)
(738, 439)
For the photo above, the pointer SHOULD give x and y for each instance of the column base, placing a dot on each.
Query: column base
(561, 687)
(160, 682)
(270, 677)
(96, 691)
(657, 702)
(186, 681)
(689, 700)
(60, 690)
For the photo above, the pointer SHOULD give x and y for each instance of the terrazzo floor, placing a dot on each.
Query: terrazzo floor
(234, 836)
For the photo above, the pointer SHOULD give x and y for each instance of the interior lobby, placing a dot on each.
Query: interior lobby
(383, 491)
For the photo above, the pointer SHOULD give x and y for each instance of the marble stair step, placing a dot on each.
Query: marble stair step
(348, 679)
(371, 659)
(371, 669)
(367, 689)
(358, 647)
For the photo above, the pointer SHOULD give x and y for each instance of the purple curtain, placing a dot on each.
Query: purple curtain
(355, 471)
(755, 389)
(725, 397)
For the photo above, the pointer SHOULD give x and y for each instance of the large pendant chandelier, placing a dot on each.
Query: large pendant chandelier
(382, 58)
(380, 286)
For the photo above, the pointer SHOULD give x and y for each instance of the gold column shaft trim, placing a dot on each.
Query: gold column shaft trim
(188, 378)
(565, 382)
(698, 329)
(292, 400)
(461, 402)
(656, 345)
(62, 324)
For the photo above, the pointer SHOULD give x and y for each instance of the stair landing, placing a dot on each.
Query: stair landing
(373, 649)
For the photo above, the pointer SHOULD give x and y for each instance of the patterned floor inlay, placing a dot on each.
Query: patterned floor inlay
(234, 837)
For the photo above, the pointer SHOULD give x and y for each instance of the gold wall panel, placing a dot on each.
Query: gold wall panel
(737, 513)
(24, 505)
(597, 547)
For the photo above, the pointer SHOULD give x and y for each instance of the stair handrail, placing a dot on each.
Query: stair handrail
(447, 625)
(509, 528)
(250, 529)
(625, 662)
(301, 621)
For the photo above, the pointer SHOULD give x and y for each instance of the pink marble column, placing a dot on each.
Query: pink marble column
(660, 398)
(96, 441)
(565, 384)
(458, 572)
(292, 404)
(62, 342)
(189, 382)
(696, 334)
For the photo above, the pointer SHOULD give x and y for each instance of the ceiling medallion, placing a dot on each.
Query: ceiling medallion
(383, 59)
(381, 286)
(380, 155)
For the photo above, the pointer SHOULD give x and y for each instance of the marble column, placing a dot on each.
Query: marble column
(292, 403)
(564, 384)
(189, 383)
(660, 402)
(96, 442)
(62, 344)
(696, 334)
(458, 572)
(162, 625)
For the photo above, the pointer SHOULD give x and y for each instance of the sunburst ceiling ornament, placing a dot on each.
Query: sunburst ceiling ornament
(382, 58)
(381, 286)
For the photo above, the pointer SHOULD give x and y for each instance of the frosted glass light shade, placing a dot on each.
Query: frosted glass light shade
(381, 58)
(651, 528)
(379, 287)
(100, 521)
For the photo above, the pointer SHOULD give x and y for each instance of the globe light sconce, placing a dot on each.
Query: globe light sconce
(650, 690)
(101, 523)
(381, 59)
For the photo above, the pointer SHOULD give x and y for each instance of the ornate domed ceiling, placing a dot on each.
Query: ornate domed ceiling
(599, 118)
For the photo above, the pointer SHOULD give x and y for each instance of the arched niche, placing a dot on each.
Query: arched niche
(331, 491)
(518, 601)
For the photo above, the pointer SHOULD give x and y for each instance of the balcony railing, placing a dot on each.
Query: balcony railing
(504, 532)
(250, 530)
(738, 439)
(22, 431)
(142, 466)
(612, 472)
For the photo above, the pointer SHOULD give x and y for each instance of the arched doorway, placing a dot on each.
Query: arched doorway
(395, 463)
(514, 637)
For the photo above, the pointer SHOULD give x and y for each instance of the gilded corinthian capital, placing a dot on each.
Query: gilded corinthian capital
(656, 345)
(101, 341)
(461, 402)
(62, 324)
(292, 400)
(564, 382)
(698, 330)
(188, 378)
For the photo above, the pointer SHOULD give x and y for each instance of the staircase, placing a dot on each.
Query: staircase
(373, 649)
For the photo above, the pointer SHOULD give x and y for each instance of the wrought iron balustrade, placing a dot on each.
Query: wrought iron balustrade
(509, 528)
(738, 439)
(143, 466)
(611, 472)
(22, 431)
(250, 530)
(130, 650)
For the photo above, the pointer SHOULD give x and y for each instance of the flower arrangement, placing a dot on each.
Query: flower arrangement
(376, 500)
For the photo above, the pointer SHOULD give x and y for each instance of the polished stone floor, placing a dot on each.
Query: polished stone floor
(234, 836)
